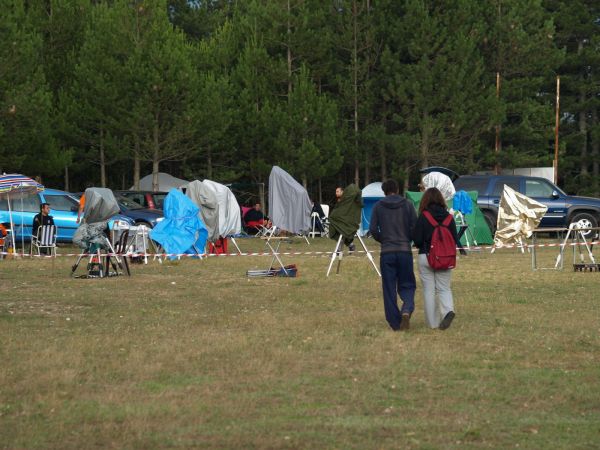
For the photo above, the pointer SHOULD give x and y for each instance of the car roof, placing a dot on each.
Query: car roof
(56, 192)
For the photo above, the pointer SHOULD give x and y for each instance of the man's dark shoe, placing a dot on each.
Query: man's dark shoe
(351, 248)
(405, 322)
(446, 321)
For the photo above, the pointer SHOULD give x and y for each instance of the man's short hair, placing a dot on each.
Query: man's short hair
(43, 204)
(390, 187)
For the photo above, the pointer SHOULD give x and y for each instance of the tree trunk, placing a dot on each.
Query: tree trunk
(289, 49)
(355, 90)
(67, 178)
(102, 160)
(595, 154)
(136, 164)
(383, 161)
(209, 167)
(155, 157)
(425, 143)
(583, 126)
(320, 191)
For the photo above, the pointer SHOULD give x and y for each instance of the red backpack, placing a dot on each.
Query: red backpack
(442, 253)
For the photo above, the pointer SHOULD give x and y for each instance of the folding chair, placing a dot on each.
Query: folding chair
(45, 238)
(120, 256)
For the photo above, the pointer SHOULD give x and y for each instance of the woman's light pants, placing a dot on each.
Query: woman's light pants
(436, 283)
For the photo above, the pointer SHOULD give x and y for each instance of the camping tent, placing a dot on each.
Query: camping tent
(289, 204)
(371, 194)
(230, 221)
(475, 220)
(205, 198)
(166, 182)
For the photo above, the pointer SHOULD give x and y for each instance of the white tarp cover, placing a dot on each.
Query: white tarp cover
(100, 205)
(205, 198)
(440, 181)
(289, 204)
(230, 219)
(166, 182)
(518, 216)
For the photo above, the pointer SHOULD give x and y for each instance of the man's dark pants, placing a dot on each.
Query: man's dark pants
(397, 277)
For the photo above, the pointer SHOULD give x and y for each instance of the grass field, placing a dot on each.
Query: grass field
(192, 354)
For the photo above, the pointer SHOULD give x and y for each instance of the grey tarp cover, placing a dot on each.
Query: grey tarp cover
(166, 182)
(100, 206)
(289, 204)
(230, 220)
(204, 196)
(345, 217)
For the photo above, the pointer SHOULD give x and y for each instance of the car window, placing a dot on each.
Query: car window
(136, 197)
(159, 200)
(61, 202)
(471, 184)
(538, 188)
(127, 203)
(499, 187)
(30, 203)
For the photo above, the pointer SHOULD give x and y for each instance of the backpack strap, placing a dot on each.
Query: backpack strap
(430, 219)
(447, 220)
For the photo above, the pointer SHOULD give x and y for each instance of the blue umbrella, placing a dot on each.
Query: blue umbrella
(15, 185)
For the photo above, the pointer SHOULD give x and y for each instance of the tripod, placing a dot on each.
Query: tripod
(337, 254)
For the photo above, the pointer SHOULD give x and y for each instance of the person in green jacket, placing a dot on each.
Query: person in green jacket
(345, 218)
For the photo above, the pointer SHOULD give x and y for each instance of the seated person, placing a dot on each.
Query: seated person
(255, 219)
(42, 218)
(3, 234)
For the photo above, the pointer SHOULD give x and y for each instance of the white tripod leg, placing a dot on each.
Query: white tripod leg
(369, 256)
(335, 254)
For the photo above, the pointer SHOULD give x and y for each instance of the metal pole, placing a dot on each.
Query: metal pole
(556, 130)
(497, 168)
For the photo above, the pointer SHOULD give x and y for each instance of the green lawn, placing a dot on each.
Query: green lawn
(192, 354)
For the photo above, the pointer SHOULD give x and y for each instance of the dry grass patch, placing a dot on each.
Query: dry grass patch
(192, 354)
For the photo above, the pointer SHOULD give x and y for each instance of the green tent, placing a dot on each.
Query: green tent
(477, 224)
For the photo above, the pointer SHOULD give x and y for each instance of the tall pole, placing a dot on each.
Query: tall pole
(497, 167)
(556, 129)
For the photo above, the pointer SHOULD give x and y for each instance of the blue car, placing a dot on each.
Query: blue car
(140, 215)
(63, 209)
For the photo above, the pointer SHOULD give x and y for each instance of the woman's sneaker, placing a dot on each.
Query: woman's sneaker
(446, 321)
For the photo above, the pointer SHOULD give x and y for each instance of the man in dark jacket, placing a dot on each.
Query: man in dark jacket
(392, 220)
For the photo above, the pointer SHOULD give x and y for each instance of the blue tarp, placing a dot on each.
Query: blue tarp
(371, 194)
(181, 231)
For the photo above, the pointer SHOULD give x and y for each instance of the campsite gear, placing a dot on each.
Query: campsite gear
(287, 271)
(16, 186)
(440, 181)
(476, 220)
(338, 254)
(344, 220)
(45, 238)
(166, 182)
(181, 231)
(100, 205)
(289, 204)
(448, 172)
(230, 221)
(275, 250)
(219, 247)
(205, 198)
(463, 205)
(518, 216)
(578, 234)
(442, 252)
(371, 194)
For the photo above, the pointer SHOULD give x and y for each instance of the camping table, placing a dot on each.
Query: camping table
(275, 250)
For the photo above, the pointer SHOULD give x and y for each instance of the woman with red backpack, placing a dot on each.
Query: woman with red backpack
(435, 236)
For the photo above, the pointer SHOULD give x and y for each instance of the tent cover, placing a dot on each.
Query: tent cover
(289, 204)
(518, 216)
(166, 182)
(205, 198)
(181, 231)
(230, 221)
(371, 194)
(100, 205)
(440, 181)
(346, 214)
(475, 219)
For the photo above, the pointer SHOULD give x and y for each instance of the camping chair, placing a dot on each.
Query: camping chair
(118, 259)
(45, 238)
(464, 230)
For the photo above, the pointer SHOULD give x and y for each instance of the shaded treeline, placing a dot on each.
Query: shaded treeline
(333, 91)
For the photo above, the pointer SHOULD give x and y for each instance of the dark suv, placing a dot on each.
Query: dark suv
(563, 209)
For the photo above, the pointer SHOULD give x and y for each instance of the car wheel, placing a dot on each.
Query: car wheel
(490, 219)
(584, 220)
